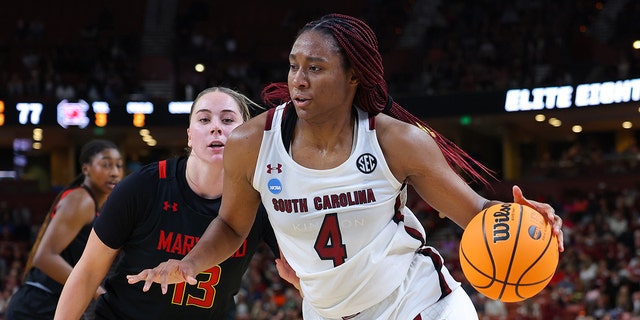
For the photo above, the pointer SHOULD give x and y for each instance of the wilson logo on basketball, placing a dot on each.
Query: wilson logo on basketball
(501, 227)
(534, 232)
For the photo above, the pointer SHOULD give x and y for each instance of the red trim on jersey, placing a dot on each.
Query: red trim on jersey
(268, 123)
(372, 121)
(438, 264)
(64, 194)
(399, 217)
(162, 169)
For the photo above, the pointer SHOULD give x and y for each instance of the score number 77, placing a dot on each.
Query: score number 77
(34, 108)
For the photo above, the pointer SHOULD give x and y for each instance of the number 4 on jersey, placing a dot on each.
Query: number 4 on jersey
(329, 244)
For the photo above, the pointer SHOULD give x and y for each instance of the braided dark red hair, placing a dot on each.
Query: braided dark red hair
(359, 45)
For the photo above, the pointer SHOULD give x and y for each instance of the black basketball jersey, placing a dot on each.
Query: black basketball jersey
(153, 215)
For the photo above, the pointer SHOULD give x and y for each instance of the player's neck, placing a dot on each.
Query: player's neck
(205, 181)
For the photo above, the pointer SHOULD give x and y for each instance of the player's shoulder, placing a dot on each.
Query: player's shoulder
(396, 132)
(76, 197)
(146, 177)
(148, 172)
(249, 132)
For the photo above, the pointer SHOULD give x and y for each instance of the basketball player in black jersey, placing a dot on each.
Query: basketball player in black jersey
(64, 233)
(159, 212)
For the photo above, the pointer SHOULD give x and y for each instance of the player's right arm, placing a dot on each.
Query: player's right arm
(229, 229)
(85, 278)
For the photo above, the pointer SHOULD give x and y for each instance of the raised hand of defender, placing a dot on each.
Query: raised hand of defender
(166, 273)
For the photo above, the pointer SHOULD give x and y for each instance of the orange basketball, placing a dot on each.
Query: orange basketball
(508, 252)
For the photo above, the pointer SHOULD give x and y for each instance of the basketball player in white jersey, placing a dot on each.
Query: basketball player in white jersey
(331, 165)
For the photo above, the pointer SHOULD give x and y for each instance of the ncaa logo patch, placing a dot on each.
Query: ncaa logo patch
(275, 186)
(366, 163)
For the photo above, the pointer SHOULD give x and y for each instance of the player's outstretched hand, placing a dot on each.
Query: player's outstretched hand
(286, 272)
(166, 273)
(546, 210)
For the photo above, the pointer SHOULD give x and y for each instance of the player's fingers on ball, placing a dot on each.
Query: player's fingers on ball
(560, 237)
(551, 213)
(560, 244)
(557, 223)
(517, 193)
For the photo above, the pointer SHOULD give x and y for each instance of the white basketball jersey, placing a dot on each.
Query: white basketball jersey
(344, 230)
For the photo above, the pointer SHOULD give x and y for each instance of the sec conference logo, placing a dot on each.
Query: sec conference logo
(366, 163)
(275, 186)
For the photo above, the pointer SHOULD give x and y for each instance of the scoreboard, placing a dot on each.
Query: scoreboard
(83, 114)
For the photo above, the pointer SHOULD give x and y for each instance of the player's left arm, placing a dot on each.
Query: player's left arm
(413, 156)
(83, 283)
(73, 212)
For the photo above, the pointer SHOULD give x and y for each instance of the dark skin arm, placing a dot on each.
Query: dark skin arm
(73, 212)
(426, 169)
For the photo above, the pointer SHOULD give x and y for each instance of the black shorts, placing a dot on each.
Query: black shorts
(31, 303)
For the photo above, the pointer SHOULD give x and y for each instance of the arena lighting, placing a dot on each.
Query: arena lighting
(592, 94)
(555, 122)
(139, 109)
(38, 134)
(143, 107)
(180, 107)
(8, 174)
(101, 110)
(1, 112)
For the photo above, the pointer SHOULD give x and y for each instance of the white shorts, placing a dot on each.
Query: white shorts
(457, 305)
(416, 298)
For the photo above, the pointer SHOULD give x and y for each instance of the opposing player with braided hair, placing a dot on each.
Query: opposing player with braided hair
(331, 164)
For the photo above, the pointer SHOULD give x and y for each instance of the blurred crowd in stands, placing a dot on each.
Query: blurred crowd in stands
(430, 47)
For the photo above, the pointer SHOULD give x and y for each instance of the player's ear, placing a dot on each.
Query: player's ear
(353, 80)
(85, 169)
(189, 137)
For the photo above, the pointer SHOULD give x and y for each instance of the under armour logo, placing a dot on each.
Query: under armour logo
(278, 167)
(166, 206)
